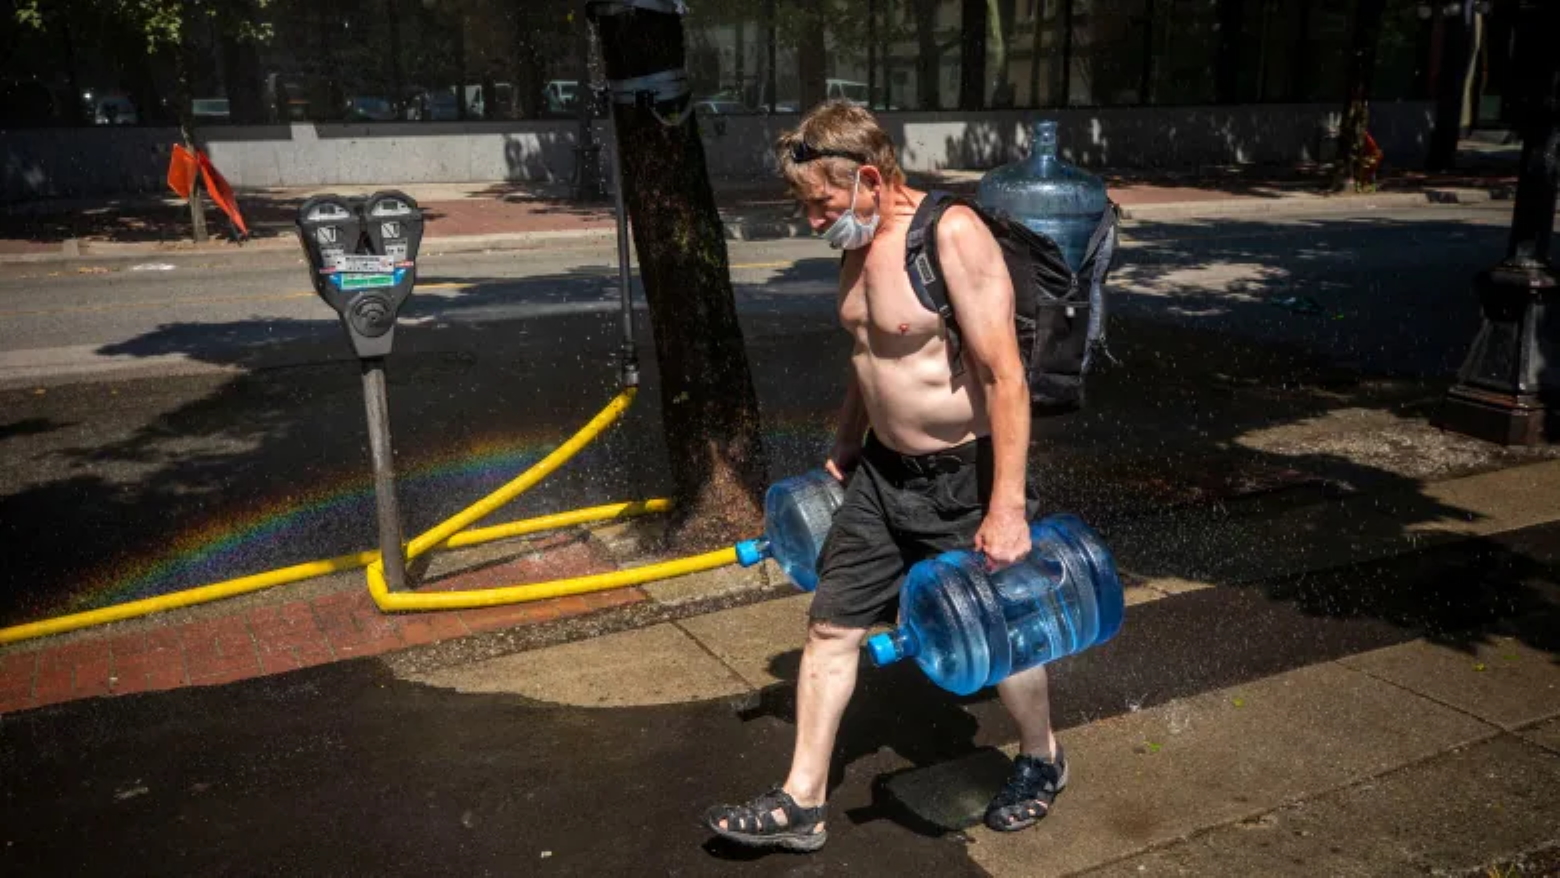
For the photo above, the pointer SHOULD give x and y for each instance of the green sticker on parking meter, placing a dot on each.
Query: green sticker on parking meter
(366, 281)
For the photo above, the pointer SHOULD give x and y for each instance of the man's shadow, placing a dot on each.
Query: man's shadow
(898, 709)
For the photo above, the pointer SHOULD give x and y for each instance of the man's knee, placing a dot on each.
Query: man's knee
(827, 635)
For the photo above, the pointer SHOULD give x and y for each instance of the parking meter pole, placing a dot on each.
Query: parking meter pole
(363, 261)
(388, 509)
(630, 356)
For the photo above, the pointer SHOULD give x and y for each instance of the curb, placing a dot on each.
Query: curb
(741, 229)
(1314, 203)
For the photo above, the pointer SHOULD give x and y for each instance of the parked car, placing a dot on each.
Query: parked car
(848, 90)
(211, 109)
(721, 107)
(370, 108)
(110, 109)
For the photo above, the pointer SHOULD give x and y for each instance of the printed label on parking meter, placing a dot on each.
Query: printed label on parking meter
(360, 264)
(366, 281)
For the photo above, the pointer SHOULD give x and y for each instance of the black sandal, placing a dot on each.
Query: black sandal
(754, 823)
(1030, 790)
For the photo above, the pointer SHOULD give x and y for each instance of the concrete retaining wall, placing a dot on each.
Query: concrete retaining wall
(40, 163)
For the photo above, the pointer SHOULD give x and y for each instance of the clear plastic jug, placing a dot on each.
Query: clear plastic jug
(1059, 200)
(969, 629)
(797, 514)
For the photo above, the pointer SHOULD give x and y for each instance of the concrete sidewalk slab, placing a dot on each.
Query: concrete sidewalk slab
(1493, 502)
(750, 640)
(1503, 682)
(1546, 735)
(1240, 548)
(1159, 775)
(1446, 815)
(656, 665)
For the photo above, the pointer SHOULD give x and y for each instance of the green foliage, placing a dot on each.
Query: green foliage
(161, 22)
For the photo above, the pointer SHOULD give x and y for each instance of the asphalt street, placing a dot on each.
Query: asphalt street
(167, 428)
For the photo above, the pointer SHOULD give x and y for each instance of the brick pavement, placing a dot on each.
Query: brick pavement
(281, 637)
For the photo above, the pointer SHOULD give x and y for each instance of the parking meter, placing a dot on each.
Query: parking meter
(394, 225)
(363, 255)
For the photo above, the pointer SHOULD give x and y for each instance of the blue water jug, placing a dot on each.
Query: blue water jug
(797, 514)
(969, 629)
(1061, 201)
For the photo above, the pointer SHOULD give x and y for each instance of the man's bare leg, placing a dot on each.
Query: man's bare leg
(1027, 696)
(828, 678)
(1033, 785)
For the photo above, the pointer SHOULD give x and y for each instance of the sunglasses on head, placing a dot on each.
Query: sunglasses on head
(804, 152)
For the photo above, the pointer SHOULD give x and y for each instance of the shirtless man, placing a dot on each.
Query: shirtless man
(933, 458)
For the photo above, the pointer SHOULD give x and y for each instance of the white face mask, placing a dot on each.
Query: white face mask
(849, 232)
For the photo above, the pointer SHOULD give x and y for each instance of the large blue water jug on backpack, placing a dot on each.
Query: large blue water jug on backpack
(798, 512)
(969, 629)
(1061, 201)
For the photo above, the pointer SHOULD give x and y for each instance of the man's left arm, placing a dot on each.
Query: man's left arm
(982, 297)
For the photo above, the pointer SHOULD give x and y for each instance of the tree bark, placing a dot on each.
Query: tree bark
(812, 55)
(710, 410)
(972, 55)
(770, 38)
(1453, 61)
(999, 33)
(927, 59)
(1226, 75)
(1362, 70)
(184, 63)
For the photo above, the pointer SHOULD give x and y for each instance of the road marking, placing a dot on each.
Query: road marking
(192, 300)
(152, 303)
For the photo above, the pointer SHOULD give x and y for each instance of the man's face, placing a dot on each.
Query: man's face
(826, 202)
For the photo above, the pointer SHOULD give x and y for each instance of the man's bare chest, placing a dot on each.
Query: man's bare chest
(877, 302)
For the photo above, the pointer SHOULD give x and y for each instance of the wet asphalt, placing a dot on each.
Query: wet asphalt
(346, 770)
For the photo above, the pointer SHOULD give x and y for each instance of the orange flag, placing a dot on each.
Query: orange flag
(181, 171)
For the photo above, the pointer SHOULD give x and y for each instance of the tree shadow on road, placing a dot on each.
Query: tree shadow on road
(1226, 405)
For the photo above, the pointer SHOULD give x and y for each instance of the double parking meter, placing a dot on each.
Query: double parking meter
(363, 260)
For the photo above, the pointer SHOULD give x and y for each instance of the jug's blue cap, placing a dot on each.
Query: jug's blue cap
(882, 649)
(750, 552)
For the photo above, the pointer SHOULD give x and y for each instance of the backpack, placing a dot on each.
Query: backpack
(1059, 315)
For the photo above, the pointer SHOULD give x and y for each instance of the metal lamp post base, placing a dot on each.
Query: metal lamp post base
(1507, 391)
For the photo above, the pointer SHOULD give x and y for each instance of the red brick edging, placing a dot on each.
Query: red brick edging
(265, 640)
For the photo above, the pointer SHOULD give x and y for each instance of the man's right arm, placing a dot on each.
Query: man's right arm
(849, 432)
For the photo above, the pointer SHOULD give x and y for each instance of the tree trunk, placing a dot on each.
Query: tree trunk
(872, 55)
(709, 407)
(770, 38)
(1362, 69)
(927, 59)
(184, 63)
(241, 76)
(999, 35)
(812, 56)
(972, 55)
(1226, 71)
(1452, 62)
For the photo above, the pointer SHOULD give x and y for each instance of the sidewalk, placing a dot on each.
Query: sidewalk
(480, 216)
(1328, 741)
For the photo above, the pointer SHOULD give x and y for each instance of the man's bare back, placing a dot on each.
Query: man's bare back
(900, 357)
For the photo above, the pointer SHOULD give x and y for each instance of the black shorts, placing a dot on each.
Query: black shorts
(899, 509)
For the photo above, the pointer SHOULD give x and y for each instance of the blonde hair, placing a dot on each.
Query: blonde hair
(843, 126)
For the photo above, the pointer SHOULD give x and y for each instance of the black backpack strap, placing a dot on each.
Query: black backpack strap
(1103, 248)
(925, 271)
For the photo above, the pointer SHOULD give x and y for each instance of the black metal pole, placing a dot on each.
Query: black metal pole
(390, 544)
(1507, 390)
(629, 353)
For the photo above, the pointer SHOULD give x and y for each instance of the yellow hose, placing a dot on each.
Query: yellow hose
(400, 602)
(451, 534)
(523, 482)
(204, 594)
